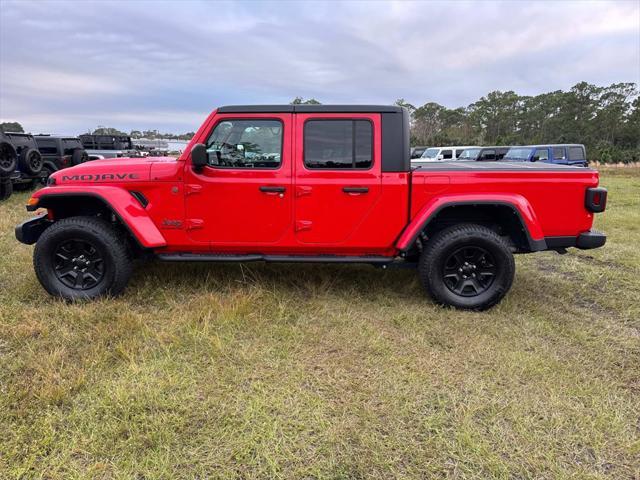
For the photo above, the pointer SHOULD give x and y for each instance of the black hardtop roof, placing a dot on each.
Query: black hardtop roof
(310, 109)
(55, 137)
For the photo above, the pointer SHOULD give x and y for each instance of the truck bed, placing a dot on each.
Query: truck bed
(553, 194)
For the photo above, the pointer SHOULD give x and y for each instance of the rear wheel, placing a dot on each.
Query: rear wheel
(79, 156)
(82, 257)
(467, 266)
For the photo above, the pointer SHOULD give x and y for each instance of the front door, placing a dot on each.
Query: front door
(243, 195)
(337, 176)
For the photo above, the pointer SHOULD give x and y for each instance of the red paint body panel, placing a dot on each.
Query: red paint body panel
(224, 210)
(122, 203)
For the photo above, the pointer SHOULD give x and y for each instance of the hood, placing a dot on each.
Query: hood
(112, 170)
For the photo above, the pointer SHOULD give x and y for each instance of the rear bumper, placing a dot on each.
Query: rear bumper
(29, 231)
(584, 241)
(591, 239)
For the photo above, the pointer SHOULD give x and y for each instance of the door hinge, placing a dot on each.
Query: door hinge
(194, 223)
(303, 225)
(193, 188)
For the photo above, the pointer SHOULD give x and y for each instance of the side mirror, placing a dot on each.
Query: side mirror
(440, 157)
(199, 157)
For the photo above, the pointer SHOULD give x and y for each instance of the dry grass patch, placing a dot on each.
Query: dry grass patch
(293, 371)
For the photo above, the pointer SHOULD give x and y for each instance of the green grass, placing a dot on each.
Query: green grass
(292, 371)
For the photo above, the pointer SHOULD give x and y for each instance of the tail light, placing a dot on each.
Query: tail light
(595, 199)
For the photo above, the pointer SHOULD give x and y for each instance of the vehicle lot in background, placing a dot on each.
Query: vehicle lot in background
(59, 152)
(438, 154)
(109, 146)
(483, 154)
(29, 160)
(327, 371)
(561, 154)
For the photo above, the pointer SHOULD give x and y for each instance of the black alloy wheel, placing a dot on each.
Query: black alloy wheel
(469, 271)
(78, 264)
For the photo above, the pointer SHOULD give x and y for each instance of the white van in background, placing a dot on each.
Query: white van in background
(440, 154)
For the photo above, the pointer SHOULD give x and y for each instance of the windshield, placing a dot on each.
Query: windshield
(469, 154)
(518, 153)
(430, 153)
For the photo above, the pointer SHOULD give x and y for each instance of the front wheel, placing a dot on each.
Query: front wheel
(81, 258)
(467, 266)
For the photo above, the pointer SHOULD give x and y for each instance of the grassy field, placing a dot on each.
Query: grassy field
(292, 371)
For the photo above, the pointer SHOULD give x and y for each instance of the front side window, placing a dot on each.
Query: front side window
(469, 154)
(541, 155)
(338, 144)
(246, 144)
(488, 155)
(431, 153)
(518, 154)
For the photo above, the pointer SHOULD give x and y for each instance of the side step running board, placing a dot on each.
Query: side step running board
(195, 257)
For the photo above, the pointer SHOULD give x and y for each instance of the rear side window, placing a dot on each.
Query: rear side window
(558, 153)
(576, 153)
(447, 154)
(541, 155)
(47, 147)
(333, 144)
(239, 143)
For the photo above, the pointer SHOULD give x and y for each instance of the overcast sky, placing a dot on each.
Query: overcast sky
(66, 67)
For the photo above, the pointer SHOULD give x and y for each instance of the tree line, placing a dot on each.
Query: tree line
(605, 119)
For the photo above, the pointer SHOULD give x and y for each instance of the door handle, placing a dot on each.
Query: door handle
(270, 189)
(355, 189)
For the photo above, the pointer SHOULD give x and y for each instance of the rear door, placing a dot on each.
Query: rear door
(337, 175)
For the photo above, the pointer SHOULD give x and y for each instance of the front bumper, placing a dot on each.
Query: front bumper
(30, 230)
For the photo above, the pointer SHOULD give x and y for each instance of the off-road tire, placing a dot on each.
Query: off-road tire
(30, 161)
(8, 158)
(109, 245)
(441, 256)
(6, 188)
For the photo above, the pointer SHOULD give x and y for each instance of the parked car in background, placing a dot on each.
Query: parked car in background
(416, 152)
(151, 147)
(109, 146)
(438, 154)
(483, 154)
(59, 152)
(29, 160)
(560, 154)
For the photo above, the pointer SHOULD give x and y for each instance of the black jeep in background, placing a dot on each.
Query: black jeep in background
(60, 152)
(29, 161)
(109, 146)
(8, 163)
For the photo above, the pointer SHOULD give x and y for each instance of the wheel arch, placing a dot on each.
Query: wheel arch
(511, 217)
(125, 208)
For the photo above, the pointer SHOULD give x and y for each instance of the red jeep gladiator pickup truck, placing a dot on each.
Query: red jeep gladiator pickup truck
(309, 183)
